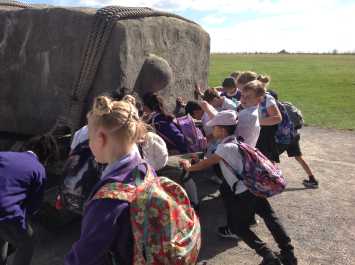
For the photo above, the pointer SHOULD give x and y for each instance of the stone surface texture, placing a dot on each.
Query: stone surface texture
(41, 50)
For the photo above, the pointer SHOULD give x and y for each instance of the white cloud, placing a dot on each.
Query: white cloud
(223, 6)
(213, 20)
(306, 31)
(303, 25)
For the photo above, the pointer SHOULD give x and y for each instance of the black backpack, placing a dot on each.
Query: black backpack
(81, 172)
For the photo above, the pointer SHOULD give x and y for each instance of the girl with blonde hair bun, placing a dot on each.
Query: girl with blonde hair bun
(269, 115)
(114, 129)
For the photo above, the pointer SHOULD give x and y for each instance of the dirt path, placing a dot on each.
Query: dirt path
(320, 222)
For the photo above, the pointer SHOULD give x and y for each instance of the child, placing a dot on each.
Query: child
(230, 89)
(22, 178)
(201, 111)
(235, 75)
(194, 109)
(163, 123)
(106, 233)
(240, 203)
(212, 96)
(294, 150)
(248, 127)
(269, 118)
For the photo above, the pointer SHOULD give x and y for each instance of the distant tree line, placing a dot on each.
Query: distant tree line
(283, 51)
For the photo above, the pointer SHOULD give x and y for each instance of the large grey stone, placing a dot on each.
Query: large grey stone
(41, 50)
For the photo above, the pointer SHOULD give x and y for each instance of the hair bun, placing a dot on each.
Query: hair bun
(102, 106)
(264, 78)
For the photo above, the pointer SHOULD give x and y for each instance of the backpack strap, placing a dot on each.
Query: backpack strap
(123, 191)
(128, 193)
(238, 176)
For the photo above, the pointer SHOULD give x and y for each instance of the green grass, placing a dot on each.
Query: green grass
(321, 86)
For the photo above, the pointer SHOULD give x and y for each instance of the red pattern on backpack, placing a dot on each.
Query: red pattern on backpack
(162, 219)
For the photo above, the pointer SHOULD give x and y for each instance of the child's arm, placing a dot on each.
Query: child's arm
(198, 92)
(208, 108)
(104, 223)
(201, 165)
(274, 117)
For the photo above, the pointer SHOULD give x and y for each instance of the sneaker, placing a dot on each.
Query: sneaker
(311, 184)
(223, 231)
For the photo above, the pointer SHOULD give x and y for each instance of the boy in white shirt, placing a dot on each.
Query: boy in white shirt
(248, 129)
(239, 202)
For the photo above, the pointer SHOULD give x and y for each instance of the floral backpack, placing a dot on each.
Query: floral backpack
(165, 227)
(261, 176)
(198, 142)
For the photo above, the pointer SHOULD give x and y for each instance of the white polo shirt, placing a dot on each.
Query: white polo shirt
(228, 104)
(229, 152)
(248, 126)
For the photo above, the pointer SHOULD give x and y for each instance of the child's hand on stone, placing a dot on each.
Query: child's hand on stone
(185, 164)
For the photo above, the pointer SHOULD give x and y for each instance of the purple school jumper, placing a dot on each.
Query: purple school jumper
(235, 97)
(22, 180)
(106, 226)
(168, 129)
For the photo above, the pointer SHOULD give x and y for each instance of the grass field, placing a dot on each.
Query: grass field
(322, 86)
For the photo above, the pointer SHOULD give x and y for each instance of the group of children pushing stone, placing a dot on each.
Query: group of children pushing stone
(121, 133)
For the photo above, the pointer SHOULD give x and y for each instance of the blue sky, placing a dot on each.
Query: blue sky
(258, 25)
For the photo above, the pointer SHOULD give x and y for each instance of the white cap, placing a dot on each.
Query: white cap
(224, 118)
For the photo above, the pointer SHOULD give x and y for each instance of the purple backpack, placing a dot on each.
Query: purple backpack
(261, 176)
(197, 141)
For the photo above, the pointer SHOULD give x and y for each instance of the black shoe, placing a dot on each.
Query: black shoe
(271, 261)
(311, 184)
(287, 259)
(224, 231)
(254, 223)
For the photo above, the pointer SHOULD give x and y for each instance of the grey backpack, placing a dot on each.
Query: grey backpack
(295, 115)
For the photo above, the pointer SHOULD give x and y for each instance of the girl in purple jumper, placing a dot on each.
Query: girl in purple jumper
(106, 233)
(163, 123)
(22, 183)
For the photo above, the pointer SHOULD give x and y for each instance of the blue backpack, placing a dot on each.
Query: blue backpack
(286, 131)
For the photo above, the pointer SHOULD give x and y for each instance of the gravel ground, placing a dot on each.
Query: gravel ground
(320, 222)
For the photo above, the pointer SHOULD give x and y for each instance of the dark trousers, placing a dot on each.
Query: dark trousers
(241, 208)
(19, 238)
